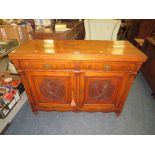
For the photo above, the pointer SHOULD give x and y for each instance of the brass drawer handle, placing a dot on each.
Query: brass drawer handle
(46, 66)
(107, 67)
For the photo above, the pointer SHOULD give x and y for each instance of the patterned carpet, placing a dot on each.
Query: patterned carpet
(138, 117)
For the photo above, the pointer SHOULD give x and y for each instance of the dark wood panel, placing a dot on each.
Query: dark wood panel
(141, 28)
(146, 28)
(148, 68)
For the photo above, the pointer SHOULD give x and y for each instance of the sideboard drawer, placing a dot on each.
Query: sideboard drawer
(47, 64)
(107, 66)
(81, 65)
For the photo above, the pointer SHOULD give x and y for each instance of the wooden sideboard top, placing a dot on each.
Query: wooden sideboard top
(78, 50)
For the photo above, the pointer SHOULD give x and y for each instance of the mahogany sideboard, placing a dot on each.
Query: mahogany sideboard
(77, 75)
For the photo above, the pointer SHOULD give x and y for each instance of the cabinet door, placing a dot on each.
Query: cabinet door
(101, 91)
(50, 90)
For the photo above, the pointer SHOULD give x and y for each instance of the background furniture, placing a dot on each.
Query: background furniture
(148, 68)
(101, 29)
(146, 28)
(139, 29)
(76, 32)
(19, 32)
(77, 75)
(6, 46)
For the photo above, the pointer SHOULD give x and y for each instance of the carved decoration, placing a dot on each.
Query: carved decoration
(52, 89)
(101, 89)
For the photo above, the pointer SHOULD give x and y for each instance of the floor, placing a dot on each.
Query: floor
(138, 117)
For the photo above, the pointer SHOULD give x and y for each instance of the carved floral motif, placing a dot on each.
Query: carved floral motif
(100, 89)
(52, 89)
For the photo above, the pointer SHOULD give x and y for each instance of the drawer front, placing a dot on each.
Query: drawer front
(57, 65)
(107, 66)
(81, 65)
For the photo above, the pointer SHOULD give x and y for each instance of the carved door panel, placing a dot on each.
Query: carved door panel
(51, 89)
(101, 91)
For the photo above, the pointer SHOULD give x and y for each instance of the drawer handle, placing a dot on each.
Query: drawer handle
(73, 104)
(107, 67)
(46, 66)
